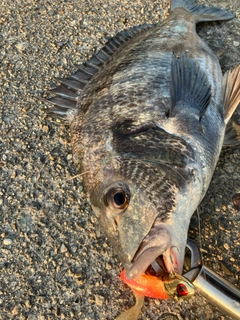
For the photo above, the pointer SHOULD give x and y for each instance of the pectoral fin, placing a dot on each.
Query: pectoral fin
(190, 88)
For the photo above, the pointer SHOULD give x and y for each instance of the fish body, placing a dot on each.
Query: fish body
(148, 115)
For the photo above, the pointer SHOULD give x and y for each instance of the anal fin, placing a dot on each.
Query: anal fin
(190, 87)
(232, 135)
(231, 91)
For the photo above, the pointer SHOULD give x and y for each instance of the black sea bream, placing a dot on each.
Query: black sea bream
(148, 115)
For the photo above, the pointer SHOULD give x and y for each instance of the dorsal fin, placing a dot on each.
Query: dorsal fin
(190, 87)
(69, 91)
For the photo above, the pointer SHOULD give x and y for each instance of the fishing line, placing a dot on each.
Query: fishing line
(199, 228)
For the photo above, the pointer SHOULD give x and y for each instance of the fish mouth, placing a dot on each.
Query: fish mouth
(155, 254)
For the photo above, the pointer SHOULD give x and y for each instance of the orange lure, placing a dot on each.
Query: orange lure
(147, 285)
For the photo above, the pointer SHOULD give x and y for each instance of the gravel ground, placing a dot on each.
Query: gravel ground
(54, 261)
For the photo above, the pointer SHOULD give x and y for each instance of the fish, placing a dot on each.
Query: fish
(149, 114)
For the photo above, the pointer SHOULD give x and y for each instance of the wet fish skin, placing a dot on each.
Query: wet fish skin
(147, 131)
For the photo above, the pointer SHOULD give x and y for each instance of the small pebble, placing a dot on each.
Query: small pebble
(99, 300)
(7, 241)
(46, 129)
(226, 246)
(63, 248)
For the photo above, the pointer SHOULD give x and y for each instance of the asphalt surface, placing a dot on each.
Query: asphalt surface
(54, 261)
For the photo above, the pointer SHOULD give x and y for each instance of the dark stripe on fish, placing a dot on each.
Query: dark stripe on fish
(150, 143)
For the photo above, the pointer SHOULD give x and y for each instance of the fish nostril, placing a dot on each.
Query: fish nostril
(115, 222)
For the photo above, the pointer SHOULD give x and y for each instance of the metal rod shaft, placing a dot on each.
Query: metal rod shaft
(218, 291)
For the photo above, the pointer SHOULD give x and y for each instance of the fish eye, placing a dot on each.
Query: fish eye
(117, 198)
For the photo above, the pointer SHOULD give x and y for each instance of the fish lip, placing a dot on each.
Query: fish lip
(157, 243)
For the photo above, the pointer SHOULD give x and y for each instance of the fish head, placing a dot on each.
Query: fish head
(139, 216)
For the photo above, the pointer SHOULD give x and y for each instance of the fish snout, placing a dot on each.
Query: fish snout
(158, 253)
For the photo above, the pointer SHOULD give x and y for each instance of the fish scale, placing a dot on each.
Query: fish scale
(155, 180)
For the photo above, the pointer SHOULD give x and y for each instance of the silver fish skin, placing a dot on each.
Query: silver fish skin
(148, 115)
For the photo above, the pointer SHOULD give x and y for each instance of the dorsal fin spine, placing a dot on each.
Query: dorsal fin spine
(107, 47)
(104, 53)
(94, 66)
(83, 70)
